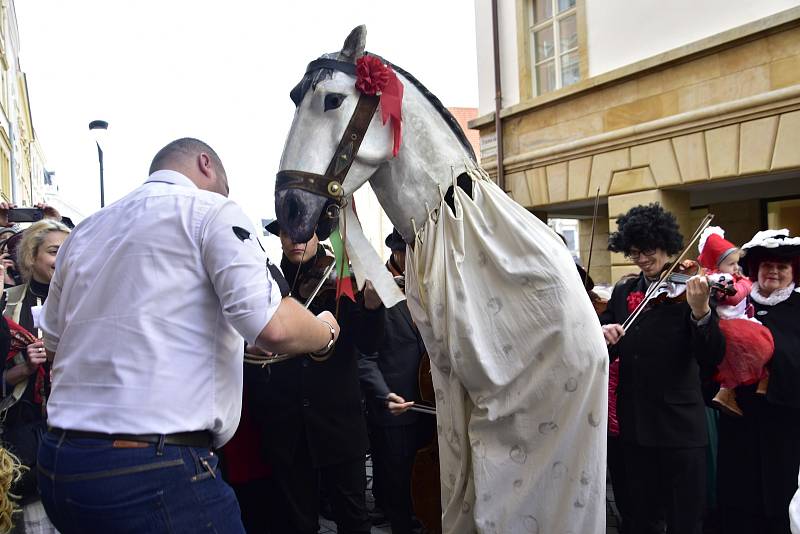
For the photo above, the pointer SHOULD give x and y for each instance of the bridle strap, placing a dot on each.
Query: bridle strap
(334, 64)
(330, 184)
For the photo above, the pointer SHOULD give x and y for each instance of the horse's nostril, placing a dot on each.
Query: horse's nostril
(293, 208)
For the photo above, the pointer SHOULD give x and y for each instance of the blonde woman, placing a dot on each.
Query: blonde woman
(26, 379)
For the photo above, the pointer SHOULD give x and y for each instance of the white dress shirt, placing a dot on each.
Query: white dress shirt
(147, 309)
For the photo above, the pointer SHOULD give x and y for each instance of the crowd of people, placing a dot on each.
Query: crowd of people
(127, 404)
(668, 367)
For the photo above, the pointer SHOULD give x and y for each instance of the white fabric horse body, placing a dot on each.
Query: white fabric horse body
(519, 370)
(518, 358)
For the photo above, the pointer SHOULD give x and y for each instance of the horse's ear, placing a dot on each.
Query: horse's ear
(354, 44)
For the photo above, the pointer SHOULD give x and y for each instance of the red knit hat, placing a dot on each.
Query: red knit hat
(714, 247)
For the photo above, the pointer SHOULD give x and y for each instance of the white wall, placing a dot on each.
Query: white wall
(509, 69)
(621, 32)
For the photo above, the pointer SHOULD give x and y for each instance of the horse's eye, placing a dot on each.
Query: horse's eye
(333, 100)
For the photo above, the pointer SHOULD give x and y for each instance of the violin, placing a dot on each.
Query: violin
(682, 267)
(320, 281)
(674, 289)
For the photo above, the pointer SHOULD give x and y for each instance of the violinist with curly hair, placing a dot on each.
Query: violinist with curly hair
(661, 355)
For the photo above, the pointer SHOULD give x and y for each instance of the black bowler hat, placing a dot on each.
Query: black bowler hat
(272, 226)
(395, 241)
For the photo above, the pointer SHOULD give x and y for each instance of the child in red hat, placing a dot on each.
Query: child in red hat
(748, 344)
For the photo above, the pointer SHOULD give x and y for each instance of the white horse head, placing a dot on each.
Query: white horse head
(433, 149)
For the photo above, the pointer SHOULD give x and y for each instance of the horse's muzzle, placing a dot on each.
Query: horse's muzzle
(301, 213)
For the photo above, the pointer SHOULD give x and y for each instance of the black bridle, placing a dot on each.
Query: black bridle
(329, 184)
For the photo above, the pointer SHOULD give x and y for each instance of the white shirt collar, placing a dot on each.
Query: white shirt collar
(776, 297)
(170, 177)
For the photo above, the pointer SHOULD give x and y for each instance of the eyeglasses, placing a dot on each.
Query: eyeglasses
(634, 255)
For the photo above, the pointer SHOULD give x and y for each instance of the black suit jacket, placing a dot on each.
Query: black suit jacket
(662, 357)
(319, 402)
(393, 369)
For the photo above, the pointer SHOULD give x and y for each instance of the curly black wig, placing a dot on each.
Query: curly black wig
(646, 228)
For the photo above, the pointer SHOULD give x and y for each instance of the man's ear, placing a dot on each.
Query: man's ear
(205, 165)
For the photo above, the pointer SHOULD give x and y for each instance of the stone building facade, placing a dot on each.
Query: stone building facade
(710, 125)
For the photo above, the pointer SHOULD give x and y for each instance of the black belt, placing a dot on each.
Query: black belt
(200, 438)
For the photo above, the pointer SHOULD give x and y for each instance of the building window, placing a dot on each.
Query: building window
(784, 214)
(554, 44)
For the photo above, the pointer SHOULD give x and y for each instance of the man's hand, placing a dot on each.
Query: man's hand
(36, 356)
(397, 405)
(4, 209)
(6, 263)
(295, 330)
(329, 318)
(697, 292)
(255, 351)
(49, 211)
(371, 299)
(613, 333)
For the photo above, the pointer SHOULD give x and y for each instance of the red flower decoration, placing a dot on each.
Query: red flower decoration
(634, 299)
(371, 75)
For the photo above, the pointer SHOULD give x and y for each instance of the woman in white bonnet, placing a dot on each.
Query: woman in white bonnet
(759, 453)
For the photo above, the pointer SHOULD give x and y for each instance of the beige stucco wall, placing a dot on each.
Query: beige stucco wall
(730, 113)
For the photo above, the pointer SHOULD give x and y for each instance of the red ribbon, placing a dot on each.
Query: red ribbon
(20, 339)
(374, 77)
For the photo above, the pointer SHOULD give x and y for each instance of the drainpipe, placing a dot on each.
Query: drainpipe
(498, 98)
(13, 162)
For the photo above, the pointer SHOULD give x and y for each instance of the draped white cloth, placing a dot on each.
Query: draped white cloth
(794, 510)
(520, 369)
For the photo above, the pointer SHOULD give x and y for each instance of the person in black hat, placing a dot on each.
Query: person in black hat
(389, 379)
(759, 453)
(310, 412)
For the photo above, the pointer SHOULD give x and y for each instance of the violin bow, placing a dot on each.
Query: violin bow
(651, 291)
(322, 281)
(421, 408)
(591, 240)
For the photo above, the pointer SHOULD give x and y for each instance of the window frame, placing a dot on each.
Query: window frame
(526, 55)
(553, 22)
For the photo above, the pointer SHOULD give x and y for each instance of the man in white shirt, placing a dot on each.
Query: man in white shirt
(148, 310)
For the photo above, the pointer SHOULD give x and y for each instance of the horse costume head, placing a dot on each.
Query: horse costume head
(338, 141)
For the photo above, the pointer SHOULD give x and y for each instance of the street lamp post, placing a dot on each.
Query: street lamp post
(98, 128)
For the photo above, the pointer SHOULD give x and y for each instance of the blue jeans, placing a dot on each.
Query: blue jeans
(88, 486)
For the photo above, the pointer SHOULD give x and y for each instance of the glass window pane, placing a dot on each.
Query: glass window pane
(563, 5)
(544, 44)
(545, 77)
(784, 214)
(570, 69)
(542, 10)
(567, 33)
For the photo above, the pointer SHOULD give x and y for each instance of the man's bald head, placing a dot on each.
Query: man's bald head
(179, 151)
(194, 159)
